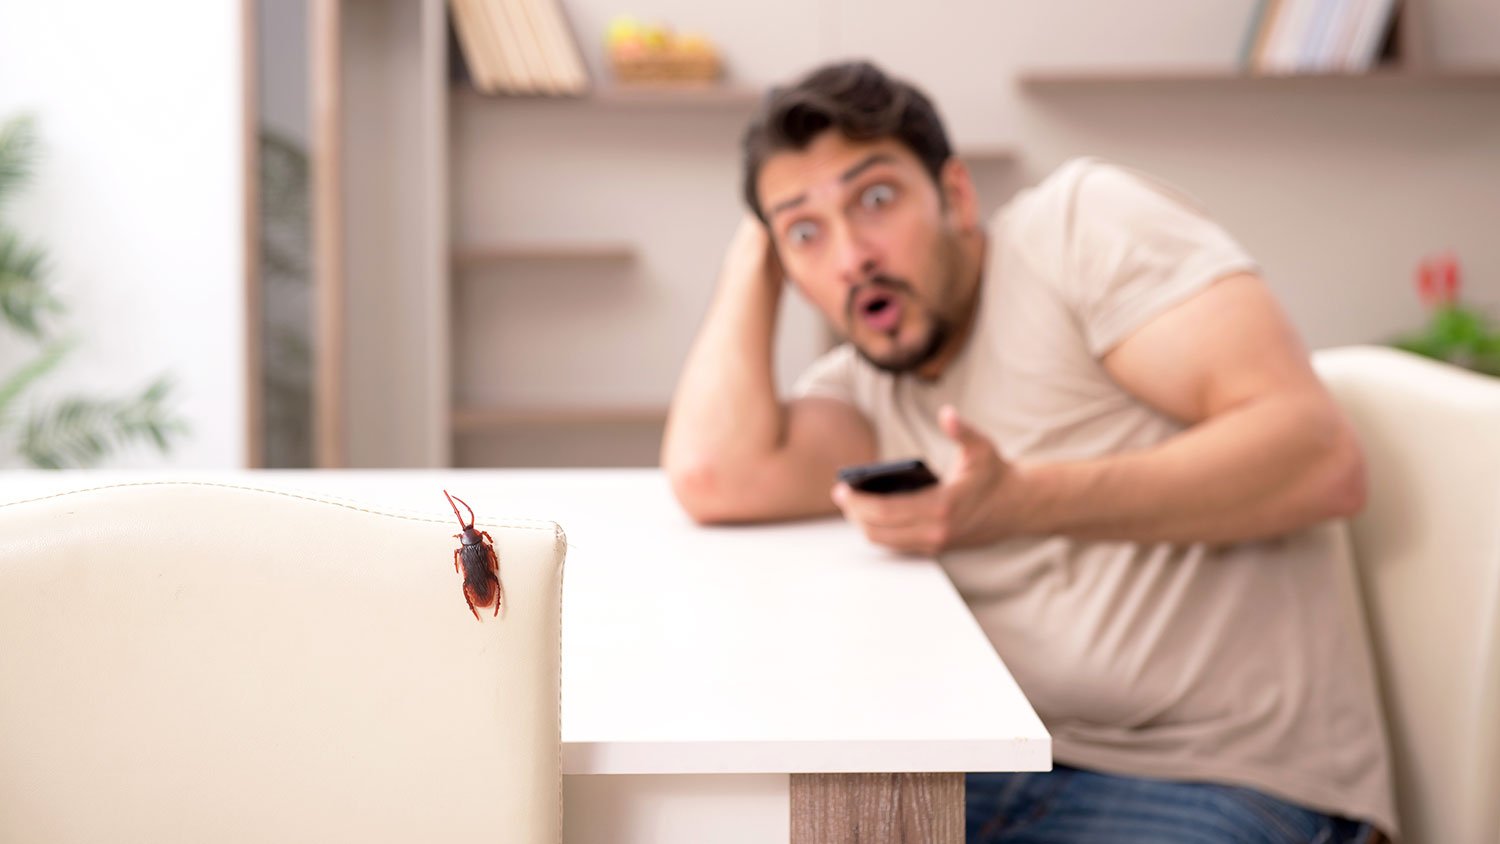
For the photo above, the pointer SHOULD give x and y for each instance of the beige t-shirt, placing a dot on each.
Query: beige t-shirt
(1245, 664)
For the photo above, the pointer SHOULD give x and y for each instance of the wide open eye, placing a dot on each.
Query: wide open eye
(801, 232)
(877, 196)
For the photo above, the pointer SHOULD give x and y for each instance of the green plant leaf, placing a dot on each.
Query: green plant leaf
(24, 296)
(17, 382)
(18, 153)
(1420, 344)
(74, 431)
(146, 418)
(80, 432)
(1458, 327)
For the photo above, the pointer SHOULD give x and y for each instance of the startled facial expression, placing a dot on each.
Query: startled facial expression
(872, 242)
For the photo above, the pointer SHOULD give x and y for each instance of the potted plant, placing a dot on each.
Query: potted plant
(1457, 333)
(73, 431)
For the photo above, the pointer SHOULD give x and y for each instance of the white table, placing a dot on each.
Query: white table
(708, 673)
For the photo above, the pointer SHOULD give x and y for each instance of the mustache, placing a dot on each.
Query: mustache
(885, 282)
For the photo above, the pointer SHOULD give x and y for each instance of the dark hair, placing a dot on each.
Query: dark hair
(858, 100)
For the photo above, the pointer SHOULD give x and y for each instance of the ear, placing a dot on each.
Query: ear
(959, 194)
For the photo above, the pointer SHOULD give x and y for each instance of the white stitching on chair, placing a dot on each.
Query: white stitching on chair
(523, 524)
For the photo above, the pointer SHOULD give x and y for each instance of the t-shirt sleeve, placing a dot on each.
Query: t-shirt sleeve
(1137, 247)
(831, 376)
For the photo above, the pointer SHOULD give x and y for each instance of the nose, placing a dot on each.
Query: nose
(856, 257)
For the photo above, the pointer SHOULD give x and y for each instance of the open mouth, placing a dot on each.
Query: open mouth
(879, 310)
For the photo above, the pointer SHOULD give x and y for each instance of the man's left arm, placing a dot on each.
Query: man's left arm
(1266, 451)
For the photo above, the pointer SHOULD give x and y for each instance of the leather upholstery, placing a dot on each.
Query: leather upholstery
(206, 662)
(1427, 549)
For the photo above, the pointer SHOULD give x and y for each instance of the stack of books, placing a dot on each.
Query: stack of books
(519, 47)
(1317, 36)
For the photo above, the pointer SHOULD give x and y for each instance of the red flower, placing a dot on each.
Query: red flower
(1449, 277)
(1438, 280)
(1426, 282)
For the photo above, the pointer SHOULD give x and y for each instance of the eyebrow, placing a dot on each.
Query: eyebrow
(847, 176)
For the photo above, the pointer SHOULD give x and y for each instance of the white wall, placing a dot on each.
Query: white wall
(138, 199)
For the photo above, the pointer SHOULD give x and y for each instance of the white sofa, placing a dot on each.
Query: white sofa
(205, 662)
(1427, 549)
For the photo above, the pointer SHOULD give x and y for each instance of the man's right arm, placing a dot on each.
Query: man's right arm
(733, 450)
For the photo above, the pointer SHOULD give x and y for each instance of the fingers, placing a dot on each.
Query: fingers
(890, 510)
(752, 252)
(908, 522)
(961, 432)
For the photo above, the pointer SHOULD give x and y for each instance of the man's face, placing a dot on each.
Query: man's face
(868, 238)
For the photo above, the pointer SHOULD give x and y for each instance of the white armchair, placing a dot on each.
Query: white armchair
(1427, 549)
(199, 662)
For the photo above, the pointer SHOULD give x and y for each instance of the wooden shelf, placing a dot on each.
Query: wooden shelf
(695, 96)
(988, 153)
(675, 95)
(627, 96)
(1084, 80)
(469, 420)
(476, 256)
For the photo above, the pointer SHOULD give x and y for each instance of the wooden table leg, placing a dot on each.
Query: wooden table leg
(877, 808)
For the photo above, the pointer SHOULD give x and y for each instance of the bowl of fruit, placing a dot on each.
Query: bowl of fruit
(651, 53)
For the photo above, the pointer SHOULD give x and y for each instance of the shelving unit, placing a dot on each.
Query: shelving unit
(468, 420)
(691, 96)
(455, 347)
(1386, 78)
(466, 257)
(621, 96)
(492, 261)
(988, 153)
(729, 96)
(1405, 63)
(679, 95)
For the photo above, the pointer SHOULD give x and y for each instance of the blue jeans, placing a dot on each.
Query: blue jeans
(1073, 806)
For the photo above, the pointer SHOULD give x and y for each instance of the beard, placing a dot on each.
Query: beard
(938, 326)
(937, 329)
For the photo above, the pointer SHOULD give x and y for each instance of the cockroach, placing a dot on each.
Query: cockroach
(475, 557)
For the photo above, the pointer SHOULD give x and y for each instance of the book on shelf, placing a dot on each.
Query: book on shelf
(528, 46)
(476, 56)
(559, 46)
(518, 47)
(508, 42)
(1318, 36)
(1373, 31)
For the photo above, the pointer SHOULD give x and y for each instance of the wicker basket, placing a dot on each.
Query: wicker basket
(666, 66)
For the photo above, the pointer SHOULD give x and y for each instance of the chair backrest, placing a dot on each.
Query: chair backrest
(1427, 547)
(205, 662)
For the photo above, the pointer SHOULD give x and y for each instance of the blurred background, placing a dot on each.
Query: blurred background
(384, 233)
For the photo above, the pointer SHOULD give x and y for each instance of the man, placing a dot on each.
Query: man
(1135, 458)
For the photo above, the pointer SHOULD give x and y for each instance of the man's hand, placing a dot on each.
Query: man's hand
(751, 256)
(977, 504)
